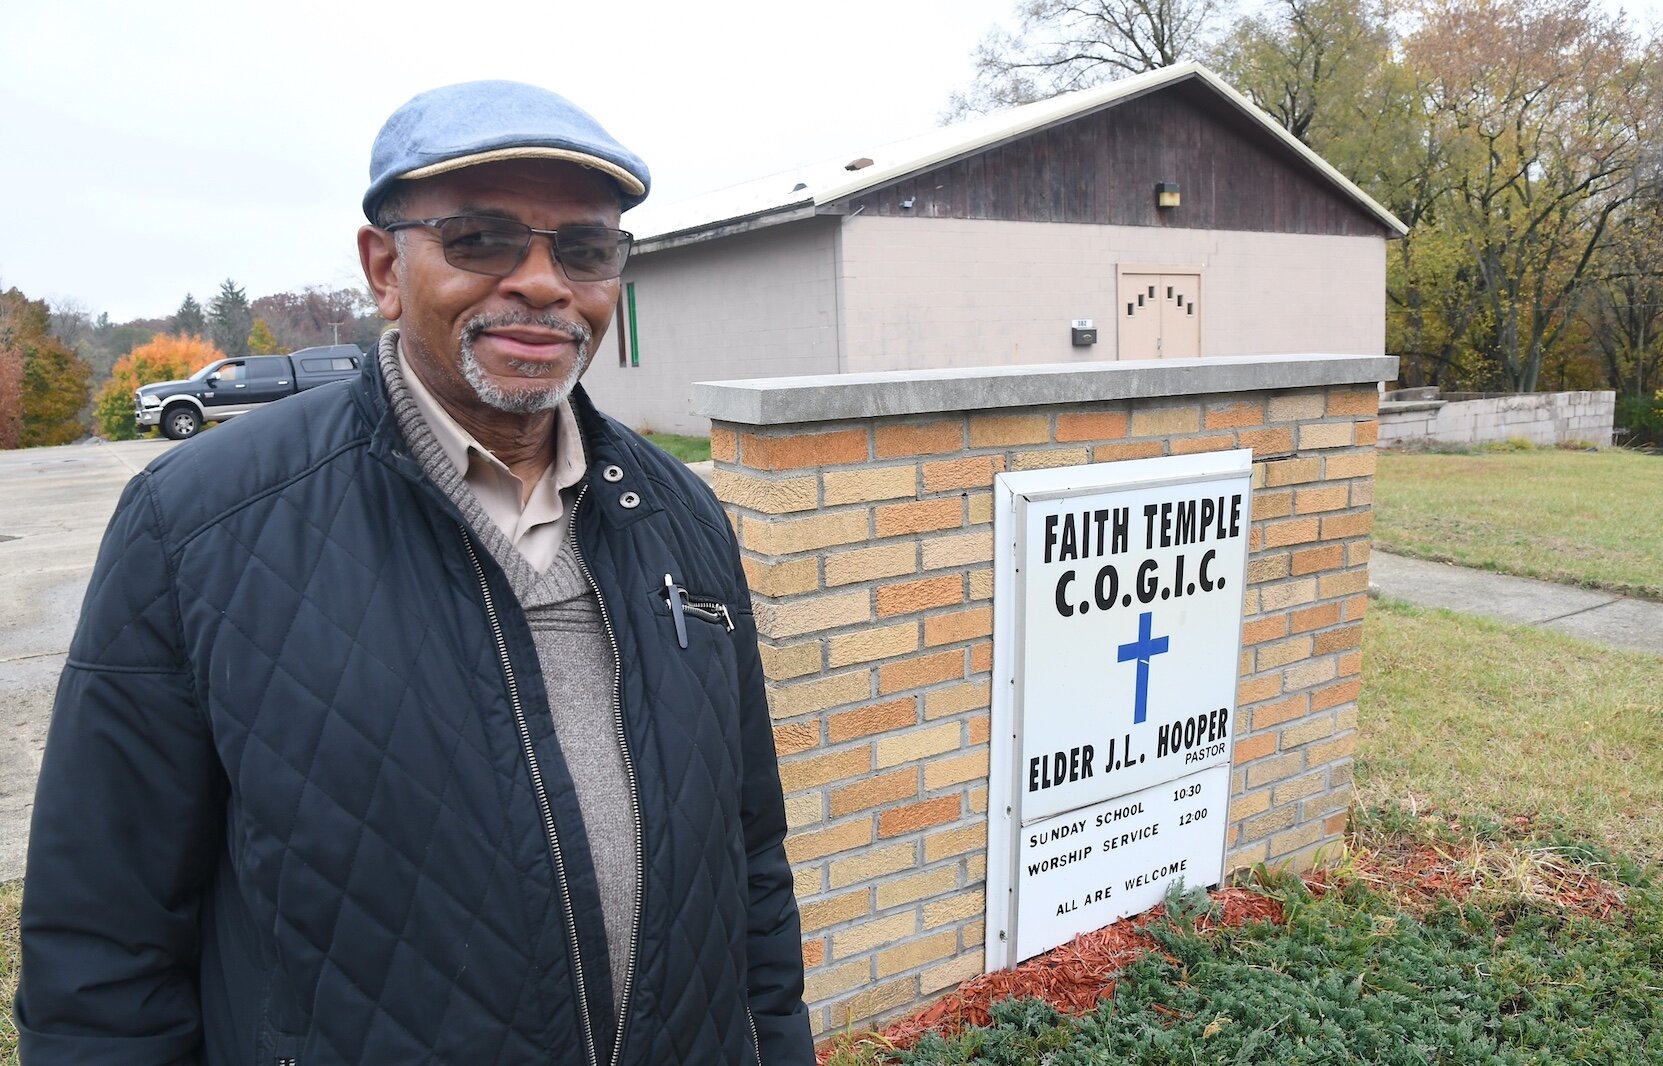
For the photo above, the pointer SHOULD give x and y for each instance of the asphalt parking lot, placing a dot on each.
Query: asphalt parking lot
(57, 502)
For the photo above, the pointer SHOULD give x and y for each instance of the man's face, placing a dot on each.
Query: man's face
(490, 347)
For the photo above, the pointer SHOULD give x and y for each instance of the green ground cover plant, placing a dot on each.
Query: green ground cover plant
(1576, 517)
(1559, 966)
(1642, 419)
(1350, 977)
(687, 449)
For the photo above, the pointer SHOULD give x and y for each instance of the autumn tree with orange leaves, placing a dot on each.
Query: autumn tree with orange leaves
(169, 357)
(44, 382)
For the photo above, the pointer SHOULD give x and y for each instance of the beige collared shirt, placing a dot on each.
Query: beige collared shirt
(537, 526)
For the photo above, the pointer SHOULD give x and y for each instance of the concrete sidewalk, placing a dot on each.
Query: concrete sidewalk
(1599, 617)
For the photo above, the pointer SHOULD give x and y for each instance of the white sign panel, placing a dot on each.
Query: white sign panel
(1118, 594)
(1087, 868)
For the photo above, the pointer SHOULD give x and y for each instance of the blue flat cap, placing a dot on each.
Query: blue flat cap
(487, 121)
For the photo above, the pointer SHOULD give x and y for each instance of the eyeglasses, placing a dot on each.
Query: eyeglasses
(497, 246)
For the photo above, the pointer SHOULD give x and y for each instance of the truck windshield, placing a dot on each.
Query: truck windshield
(204, 372)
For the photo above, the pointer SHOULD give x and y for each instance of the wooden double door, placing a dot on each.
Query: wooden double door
(1158, 316)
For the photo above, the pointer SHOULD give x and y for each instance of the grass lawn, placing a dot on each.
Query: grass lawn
(687, 449)
(1583, 518)
(11, 897)
(1463, 714)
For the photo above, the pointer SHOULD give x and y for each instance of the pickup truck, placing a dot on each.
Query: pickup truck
(236, 386)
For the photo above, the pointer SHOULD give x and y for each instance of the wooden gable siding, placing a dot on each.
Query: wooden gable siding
(1102, 168)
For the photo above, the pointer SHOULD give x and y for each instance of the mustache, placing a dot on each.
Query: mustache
(478, 324)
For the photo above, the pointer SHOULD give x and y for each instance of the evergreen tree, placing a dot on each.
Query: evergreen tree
(189, 320)
(230, 319)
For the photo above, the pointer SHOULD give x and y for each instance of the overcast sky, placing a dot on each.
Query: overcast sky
(150, 150)
(155, 149)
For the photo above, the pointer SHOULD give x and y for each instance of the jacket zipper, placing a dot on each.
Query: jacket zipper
(711, 611)
(756, 1041)
(542, 796)
(629, 777)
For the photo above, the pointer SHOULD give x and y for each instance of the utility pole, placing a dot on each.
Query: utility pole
(337, 326)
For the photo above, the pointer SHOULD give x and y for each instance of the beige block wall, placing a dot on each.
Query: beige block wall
(921, 293)
(762, 304)
(869, 548)
(1541, 417)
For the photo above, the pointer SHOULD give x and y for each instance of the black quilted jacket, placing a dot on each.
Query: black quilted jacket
(301, 787)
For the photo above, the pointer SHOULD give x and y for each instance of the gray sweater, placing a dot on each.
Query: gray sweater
(579, 673)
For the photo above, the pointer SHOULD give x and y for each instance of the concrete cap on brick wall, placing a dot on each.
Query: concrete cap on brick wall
(829, 397)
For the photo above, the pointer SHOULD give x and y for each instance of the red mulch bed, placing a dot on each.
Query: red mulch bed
(1072, 978)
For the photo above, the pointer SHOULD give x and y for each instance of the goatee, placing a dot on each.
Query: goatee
(528, 398)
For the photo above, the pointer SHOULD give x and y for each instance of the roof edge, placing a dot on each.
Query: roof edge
(1257, 113)
(727, 227)
(1037, 118)
(1109, 94)
(1123, 89)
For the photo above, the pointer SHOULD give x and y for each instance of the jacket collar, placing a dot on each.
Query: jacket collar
(605, 443)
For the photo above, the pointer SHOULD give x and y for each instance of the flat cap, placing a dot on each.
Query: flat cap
(477, 122)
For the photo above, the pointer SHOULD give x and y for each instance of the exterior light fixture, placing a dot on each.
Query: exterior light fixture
(1166, 194)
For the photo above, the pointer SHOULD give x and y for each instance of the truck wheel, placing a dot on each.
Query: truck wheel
(180, 422)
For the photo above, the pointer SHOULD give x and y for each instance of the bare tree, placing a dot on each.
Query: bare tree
(1062, 45)
(314, 315)
(72, 323)
(1624, 317)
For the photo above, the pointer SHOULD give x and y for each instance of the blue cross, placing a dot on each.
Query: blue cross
(1141, 649)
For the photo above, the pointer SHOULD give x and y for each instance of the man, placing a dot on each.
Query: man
(433, 731)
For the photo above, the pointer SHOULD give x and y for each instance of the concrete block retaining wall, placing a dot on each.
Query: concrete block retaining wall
(1543, 418)
(864, 509)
